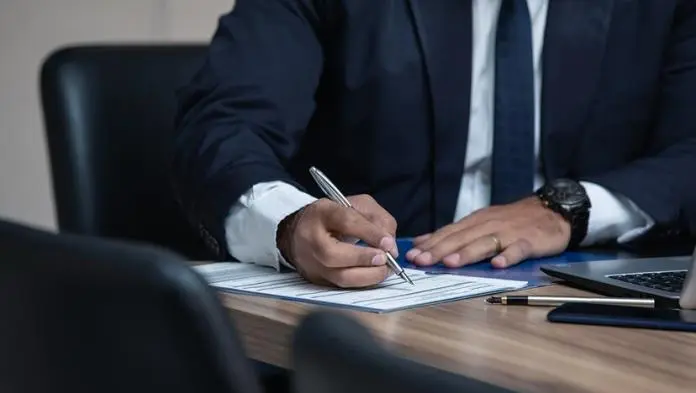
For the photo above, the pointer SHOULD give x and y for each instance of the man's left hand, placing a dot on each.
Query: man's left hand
(508, 234)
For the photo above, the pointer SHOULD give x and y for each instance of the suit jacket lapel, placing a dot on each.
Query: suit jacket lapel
(574, 46)
(444, 29)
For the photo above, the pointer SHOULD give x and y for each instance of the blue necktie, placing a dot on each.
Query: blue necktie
(512, 172)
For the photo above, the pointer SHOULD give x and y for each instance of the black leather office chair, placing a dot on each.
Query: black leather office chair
(91, 315)
(334, 353)
(109, 113)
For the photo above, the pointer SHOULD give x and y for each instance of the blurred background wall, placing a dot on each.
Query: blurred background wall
(29, 30)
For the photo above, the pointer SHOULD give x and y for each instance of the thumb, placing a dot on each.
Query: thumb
(387, 243)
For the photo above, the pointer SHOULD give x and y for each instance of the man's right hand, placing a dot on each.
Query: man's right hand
(310, 239)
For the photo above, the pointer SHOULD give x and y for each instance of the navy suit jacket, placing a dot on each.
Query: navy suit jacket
(376, 94)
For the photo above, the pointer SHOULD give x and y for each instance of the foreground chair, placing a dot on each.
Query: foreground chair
(88, 315)
(334, 353)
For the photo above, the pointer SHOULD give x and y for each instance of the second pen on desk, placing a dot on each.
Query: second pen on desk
(332, 192)
(554, 301)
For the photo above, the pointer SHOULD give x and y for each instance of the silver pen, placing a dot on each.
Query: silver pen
(332, 192)
(554, 301)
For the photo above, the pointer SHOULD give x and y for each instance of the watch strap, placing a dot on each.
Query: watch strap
(579, 224)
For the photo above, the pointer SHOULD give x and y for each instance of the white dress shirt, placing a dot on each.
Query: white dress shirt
(252, 221)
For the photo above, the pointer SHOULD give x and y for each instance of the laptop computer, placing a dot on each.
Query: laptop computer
(671, 281)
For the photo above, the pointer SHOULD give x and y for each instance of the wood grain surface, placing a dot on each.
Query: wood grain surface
(511, 346)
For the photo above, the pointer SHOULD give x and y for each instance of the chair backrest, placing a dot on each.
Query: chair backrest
(334, 353)
(109, 118)
(83, 314)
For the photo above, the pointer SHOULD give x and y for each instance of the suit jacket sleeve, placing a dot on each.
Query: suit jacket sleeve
(241, 117)
(662, 182)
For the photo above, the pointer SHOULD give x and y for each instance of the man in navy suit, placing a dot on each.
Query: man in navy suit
(502, 129)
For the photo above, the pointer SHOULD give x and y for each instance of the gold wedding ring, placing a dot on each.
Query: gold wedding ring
(498, 246)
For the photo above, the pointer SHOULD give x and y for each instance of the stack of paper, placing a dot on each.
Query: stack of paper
(393, 294)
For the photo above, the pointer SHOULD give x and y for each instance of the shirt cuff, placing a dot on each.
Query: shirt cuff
(613, 217)
(252, 223)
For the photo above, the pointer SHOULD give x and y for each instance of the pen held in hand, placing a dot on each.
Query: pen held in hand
(332, 192)
(554, 301)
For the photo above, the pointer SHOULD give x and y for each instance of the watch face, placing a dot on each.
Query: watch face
(566, 192)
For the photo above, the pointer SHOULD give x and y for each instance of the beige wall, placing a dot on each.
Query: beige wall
(29, 29)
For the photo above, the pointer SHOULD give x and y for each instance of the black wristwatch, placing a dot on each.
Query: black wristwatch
(569, 199)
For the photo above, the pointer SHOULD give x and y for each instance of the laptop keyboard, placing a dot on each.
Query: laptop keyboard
(670, 281)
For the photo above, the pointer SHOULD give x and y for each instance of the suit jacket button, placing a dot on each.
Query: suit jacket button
(212, 243)
(214, 246)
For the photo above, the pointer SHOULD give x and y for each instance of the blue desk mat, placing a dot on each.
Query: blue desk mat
(525, 271)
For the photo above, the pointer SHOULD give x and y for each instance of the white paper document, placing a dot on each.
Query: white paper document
(391, 295)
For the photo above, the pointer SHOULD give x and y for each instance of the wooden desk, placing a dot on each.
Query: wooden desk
(513, 347)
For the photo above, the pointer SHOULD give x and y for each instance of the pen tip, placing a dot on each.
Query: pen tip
(494, 300)
(407, 278)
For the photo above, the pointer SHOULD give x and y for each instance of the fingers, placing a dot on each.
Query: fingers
(375, 213)
(333, 253)
(356, 277)
(486, 246)
(347, 265)
(425, 242)
(428, 240)
(483, 247)
(449, 245)
(513, 254)
(346, 221)
(421, 238)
